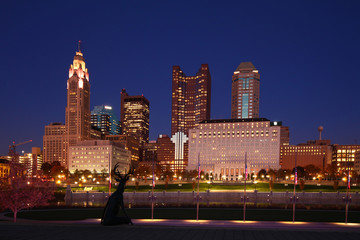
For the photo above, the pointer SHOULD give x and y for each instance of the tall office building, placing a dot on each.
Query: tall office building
(104, 118)
(57, 136)
(55, 144)
(77, 117)
(245, 92)
(135, 111)
(191, 96)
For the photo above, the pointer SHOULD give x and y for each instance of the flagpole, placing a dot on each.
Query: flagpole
(152, 189)
(295, 182)
(347, 199)
(198, 187)
(244, 214)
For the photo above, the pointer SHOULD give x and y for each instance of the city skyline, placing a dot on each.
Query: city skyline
(308, 63)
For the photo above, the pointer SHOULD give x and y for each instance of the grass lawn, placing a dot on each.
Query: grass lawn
(204, 213)
(261, 187)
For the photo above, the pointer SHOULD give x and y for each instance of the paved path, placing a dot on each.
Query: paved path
(176, 229)
(57, 231)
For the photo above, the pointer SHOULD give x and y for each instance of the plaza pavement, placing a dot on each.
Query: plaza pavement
(175, 229)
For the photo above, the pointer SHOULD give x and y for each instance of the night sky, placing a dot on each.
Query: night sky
(307, 53)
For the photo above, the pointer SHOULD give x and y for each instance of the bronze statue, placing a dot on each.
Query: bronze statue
(116, 201)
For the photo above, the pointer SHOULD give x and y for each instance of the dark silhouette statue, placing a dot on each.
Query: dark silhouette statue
(116, 201)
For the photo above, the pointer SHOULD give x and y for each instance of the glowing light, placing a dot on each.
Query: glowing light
(58, 181)
(108, 107)
(240, 221)
(151, 220)
(348, 224)
(81, 83)
(298, 223)
(196, 221)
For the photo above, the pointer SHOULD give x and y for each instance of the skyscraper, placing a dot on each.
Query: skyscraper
(191, 96)
(104, 118)
(77, 117)
(57, 136)
(245, 92)
(135, 112)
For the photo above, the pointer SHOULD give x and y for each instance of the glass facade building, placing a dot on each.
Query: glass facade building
(103, 117)
(135, 113)
(245, 92)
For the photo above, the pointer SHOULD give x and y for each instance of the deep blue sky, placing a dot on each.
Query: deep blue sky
(307, 53)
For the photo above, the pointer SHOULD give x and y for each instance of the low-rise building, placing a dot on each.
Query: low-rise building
(130, 143)
(4, 168)
(343, 156)
(317, 153)
(357, 162)
(98, 155)
(221, 146)
(55, 144)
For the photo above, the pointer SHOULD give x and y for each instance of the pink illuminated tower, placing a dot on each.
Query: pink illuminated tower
(77, 117)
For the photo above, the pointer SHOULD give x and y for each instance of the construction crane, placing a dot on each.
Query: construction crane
(13, 146)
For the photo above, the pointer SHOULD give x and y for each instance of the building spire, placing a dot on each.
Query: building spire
(79, 49)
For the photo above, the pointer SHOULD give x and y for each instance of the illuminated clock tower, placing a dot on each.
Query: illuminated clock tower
(78, 115)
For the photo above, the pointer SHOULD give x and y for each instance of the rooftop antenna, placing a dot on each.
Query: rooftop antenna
(79, 46)
(320, 129)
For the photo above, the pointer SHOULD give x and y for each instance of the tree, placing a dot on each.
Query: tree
(46, 168)
(168, 173)
(331, 170)
(21, 192)
(104, 173)
(281, 173)
(302, 184)
(143, 170)
(300, 171)
(271, 184)
(271, 173)
(312, 170)
(262, 173)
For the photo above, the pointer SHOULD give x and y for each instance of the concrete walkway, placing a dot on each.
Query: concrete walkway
(175, 229)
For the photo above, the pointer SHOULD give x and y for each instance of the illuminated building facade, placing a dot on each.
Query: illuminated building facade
(165, 152)
(55, 144)
(191, 96)
(343, 156)
(4, 168)
(134, 116)
(31, 161)
(98, 155)
(222, 145)
(357, 162)
(317, 153)
(130, 144)
(77, 116)
(58, 137)
(245, 92)
(150, 150)
(103, 117)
